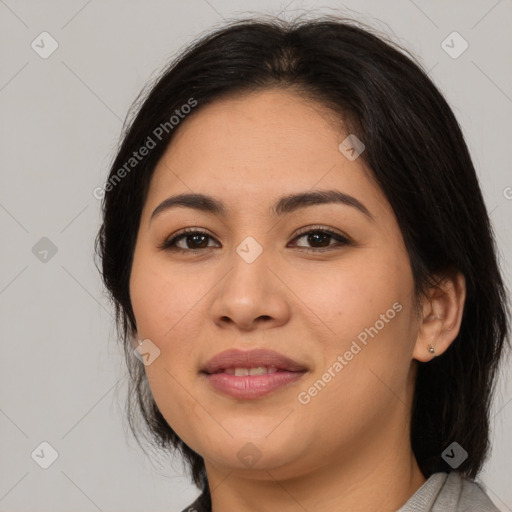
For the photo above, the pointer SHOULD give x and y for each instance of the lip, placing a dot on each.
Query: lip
(235, 358)
(251, 386)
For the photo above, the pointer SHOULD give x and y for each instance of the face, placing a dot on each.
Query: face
(328, 285)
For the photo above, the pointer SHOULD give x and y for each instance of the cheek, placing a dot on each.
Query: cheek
(170, 308)
(160, 296)
(365, 307)
(163, 305)
(349, 296)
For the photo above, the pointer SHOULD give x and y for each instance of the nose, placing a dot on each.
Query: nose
(250, 296)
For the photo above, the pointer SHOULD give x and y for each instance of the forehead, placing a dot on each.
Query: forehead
(253, 148)
(271, 124)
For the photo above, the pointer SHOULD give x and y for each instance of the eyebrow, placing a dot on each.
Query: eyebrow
(285, 205)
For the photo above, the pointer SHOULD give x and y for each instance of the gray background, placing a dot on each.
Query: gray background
(62, 371)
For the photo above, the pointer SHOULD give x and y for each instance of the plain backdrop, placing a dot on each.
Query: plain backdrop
(63, 380)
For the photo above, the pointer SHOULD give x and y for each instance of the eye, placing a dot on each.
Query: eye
(321, 236)
(194, 240)
(198, 240)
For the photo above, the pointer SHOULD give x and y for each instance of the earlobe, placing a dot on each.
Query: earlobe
(427, 345)
(441, 319)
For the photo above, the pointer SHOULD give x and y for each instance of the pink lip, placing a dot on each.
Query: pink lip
(252, 386)
(234, 358)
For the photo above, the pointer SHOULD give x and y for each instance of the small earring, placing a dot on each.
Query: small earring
(432, 350)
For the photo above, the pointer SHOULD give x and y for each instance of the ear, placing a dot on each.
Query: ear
(441, 318)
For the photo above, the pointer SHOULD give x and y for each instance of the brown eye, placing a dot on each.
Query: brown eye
(193, 240)
(320, 239)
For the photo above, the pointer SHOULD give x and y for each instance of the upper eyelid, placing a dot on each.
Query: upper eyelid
(300, 231)
(317, 227)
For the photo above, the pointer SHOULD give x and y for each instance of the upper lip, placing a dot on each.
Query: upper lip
(235, 358)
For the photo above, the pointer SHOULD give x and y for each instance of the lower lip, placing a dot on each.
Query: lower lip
(251, 386)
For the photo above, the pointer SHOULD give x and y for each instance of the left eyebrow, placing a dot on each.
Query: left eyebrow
(285, 205)
(293, 202)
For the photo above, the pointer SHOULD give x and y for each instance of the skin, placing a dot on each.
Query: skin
(348, 448)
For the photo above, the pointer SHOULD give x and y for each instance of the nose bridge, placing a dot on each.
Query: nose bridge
(250, 250)
(249, 290)
(250, 266)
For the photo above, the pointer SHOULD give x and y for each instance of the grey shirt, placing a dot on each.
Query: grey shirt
(449, 492)
(442, 492)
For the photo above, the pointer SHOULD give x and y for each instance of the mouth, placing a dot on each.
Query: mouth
(241, 371)
(251, 374)
(243, 385)
(257, 360)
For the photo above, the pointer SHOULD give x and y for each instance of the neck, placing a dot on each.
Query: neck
(373, 476)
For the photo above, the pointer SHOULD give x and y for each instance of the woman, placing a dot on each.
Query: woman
(298, 250)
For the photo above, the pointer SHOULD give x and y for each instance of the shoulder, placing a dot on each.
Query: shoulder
(465, 494)
(450, 492)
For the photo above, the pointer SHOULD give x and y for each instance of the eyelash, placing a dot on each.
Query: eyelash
(169, 244)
